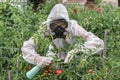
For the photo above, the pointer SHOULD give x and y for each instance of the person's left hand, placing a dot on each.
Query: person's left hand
(68, 57)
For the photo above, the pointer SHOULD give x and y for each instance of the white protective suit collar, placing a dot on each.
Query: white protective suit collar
(58, 12)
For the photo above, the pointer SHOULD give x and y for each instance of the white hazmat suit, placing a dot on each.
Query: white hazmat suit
(92, 42)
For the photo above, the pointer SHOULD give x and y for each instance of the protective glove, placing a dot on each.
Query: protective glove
(42, 61)
(68, 58)
(70, 55)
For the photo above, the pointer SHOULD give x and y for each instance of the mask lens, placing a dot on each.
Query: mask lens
(58, 23)
(62, 24)
(53, 26)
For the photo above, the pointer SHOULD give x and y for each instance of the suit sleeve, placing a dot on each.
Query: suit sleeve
(92, 42)
(29, 51)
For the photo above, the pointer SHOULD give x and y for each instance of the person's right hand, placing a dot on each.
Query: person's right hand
(42, 61)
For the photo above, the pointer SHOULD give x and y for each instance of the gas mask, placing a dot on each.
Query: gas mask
(58, 29)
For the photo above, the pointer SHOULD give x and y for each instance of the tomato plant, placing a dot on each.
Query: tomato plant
(17, 26)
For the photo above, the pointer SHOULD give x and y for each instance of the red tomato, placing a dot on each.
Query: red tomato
(58, 71)
(74, 11)
(99, 9)
(49, 67)
(90, 71)
(50, 71)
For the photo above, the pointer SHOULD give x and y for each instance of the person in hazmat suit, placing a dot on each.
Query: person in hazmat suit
(62, 32)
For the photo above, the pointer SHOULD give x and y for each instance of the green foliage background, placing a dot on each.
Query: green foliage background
(17, 26)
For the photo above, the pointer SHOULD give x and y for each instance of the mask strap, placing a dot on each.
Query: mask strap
(67, 36)
(51, 36)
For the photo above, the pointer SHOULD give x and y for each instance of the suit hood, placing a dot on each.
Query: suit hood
(58, 12)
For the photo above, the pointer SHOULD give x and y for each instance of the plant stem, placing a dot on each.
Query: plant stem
(104, 51)
(10, 75)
